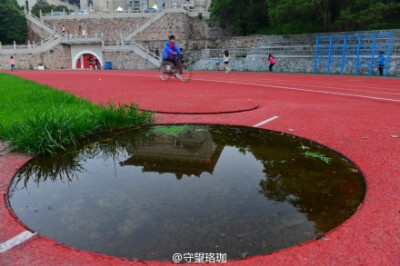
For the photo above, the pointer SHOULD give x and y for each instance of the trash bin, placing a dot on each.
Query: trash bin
(107, 66)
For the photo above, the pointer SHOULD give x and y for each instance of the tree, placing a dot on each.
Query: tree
(370, 15)
(240, 16)
(293, 16)
(301, 16)
(46, 8)
(297, 16)
(13, 23)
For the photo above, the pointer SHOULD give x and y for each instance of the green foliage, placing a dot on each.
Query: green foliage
(300, 16)
(13, 23)
(370, 15)
(239, 16)
(37, 119)
(303, 147)
(46, 8)
(318, 155)
(172, 130)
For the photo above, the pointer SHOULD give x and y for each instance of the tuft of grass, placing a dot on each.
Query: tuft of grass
(36, 119)
(303, 147)
(172, 130)
(318, 155)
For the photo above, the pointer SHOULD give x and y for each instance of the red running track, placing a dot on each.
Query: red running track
(357, 116)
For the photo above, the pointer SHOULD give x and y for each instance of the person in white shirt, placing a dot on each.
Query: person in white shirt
(226, 60)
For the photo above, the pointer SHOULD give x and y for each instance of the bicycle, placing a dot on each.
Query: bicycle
(167, 70)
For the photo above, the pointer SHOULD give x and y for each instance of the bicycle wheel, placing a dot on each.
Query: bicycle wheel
(165, 72)
(186, 75)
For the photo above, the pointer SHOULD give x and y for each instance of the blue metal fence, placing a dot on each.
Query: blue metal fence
(352, 54)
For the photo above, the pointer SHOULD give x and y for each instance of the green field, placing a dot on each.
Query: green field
(37, 119)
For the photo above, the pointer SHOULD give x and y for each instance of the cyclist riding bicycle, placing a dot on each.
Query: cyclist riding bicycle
(171, 52)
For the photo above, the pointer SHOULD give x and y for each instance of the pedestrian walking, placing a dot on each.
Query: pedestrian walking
(218, 63)
(381, 66)
(272, 62)
(226, 60)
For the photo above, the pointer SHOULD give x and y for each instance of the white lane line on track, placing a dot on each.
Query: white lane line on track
(15, 241)
(302, 81)
(307, 83)
(376, 91)
(299, 89)
(266, 121)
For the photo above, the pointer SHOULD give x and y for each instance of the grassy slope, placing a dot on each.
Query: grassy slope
(37, 119)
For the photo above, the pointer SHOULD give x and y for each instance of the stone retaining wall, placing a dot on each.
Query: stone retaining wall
(127, 60)
(57, 58)
(260, 64)
(290, 64)
(182, 26)
(268, 40)
(111, 28)
(60, 58)
(191, 32)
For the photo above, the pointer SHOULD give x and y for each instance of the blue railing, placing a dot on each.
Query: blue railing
(352, 54)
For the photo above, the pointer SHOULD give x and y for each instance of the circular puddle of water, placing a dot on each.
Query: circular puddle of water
(151, 192)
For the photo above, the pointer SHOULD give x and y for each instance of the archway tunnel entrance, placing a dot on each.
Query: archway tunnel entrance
(87, 61)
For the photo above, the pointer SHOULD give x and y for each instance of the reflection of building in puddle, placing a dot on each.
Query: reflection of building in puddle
(191, 154)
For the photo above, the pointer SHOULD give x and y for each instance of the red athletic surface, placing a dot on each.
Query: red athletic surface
(357, 116)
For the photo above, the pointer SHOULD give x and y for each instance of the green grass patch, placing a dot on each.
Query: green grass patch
(303, 147)
(37, 119)
(172, 130)
(318, 155)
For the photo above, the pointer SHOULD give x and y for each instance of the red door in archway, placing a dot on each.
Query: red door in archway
(85, 60)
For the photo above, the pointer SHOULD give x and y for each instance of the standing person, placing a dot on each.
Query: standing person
(63, 30)
(381, 59)
(226, 59)
(97, 64)
(12, 63)
(272, 62)
(90, 59)
(218, 63)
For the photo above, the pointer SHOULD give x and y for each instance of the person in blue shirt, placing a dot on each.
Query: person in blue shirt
(171, 51)
(218, 63)
(381, 59)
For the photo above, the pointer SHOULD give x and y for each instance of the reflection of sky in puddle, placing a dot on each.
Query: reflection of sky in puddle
(220, 190)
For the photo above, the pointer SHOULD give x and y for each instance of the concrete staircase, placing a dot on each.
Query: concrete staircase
(140, 50)
(152, 19)
(147, 23)
(136, 48)
(41, 24)
(145, 54)
(30, 48)
(48, 44)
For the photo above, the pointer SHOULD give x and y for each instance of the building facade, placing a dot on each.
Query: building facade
(141, 5)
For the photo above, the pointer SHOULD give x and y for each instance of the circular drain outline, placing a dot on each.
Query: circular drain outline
(16, 218)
